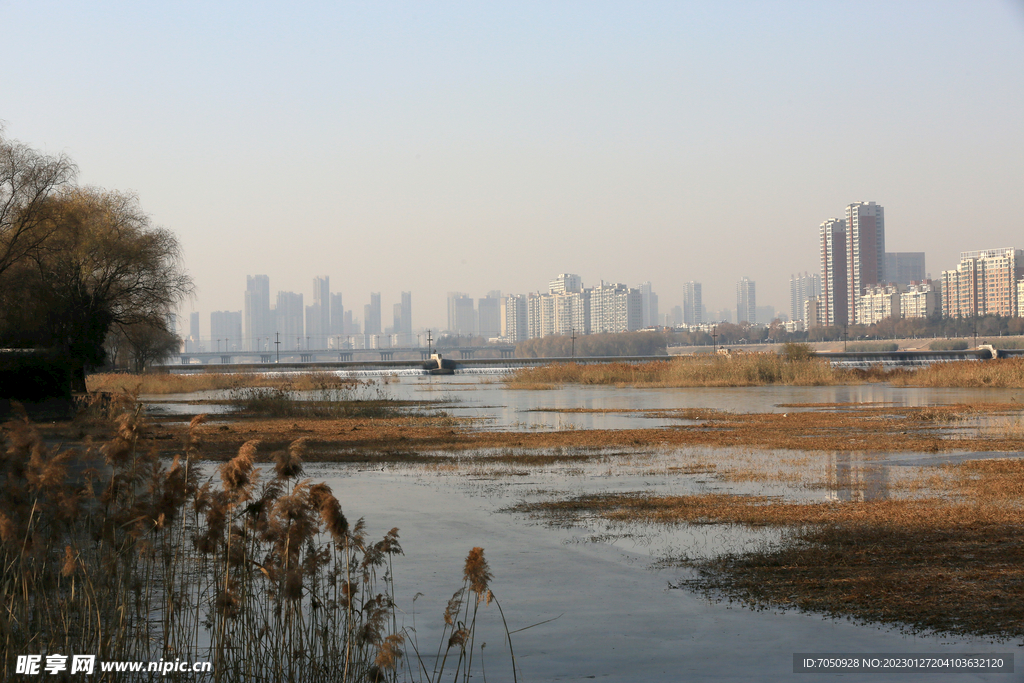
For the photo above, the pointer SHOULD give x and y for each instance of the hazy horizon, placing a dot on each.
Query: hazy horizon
(477, 147)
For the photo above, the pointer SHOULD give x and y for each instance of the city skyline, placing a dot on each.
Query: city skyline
(452, 148)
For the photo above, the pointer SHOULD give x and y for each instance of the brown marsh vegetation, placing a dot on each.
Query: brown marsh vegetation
(113, 551)
(950, 560)
(758, 369)
(183, 383)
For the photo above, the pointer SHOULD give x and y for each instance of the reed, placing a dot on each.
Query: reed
(740, 370)
(760, 369)
(1002, 373)
(173, 383)
(110, 550)
(351, 400)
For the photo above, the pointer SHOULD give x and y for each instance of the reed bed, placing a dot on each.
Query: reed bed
(1001, 373)
(741, 370)
(761, 369)
(114, 552)
(174, 383)
(349, 400)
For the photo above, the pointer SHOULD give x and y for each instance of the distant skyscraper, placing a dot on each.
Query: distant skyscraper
(289, 312)
(371, 315)
(802, 288)
(318, 318)
(489, 317)
(675, 317)
(693, 307)
(259, 323)
(461, 314)
(337, 316)
(746, 301)
(648, 305)
(832, 302)
(193, 328)
(407, 314)
(904, 267)
(865, 251)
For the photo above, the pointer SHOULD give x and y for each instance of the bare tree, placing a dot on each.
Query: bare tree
(27, 180)
(101, 264)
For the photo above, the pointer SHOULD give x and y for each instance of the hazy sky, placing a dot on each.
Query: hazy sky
(481, 145)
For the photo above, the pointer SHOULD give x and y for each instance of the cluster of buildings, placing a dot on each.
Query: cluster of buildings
(566, 308)
(861, 283)
(289, 324)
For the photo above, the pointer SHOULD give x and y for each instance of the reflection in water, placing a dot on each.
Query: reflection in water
(856, 477)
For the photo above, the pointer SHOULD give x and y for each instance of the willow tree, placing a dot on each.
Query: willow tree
(98, 263)
(28, 179)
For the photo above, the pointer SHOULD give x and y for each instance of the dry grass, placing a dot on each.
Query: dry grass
(173, 383)
(758, 369)
(1002, 372)
(951, 563)
(741, 370)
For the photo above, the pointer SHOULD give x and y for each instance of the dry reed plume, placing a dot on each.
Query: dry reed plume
(116, 552)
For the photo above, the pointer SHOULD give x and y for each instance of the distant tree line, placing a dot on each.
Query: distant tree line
(84, 275)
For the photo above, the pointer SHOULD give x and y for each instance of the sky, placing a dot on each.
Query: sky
(468, 146)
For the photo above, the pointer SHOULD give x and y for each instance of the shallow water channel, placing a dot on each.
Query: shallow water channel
(598, 600)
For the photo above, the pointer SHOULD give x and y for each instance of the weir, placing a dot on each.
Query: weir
(865, 359)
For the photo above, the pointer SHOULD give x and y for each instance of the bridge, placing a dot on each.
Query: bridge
(342, 355)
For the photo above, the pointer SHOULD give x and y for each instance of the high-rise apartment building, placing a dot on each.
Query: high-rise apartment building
(985, 283)
(289, 313)
(802, 288)
(746, 301)
(675, 318)
(371, 315)
(461, 314)
(318, 315)
(878, 303)
(259, 322)
(832, 301)
(562, 313)
(515, 325)
(337, 317)
(488, 315)
(693, 305)
(904, 267)
(865, 251)
(615, 308)
(648, 305)
(406, 315)
(921, 300)
(565, 282)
